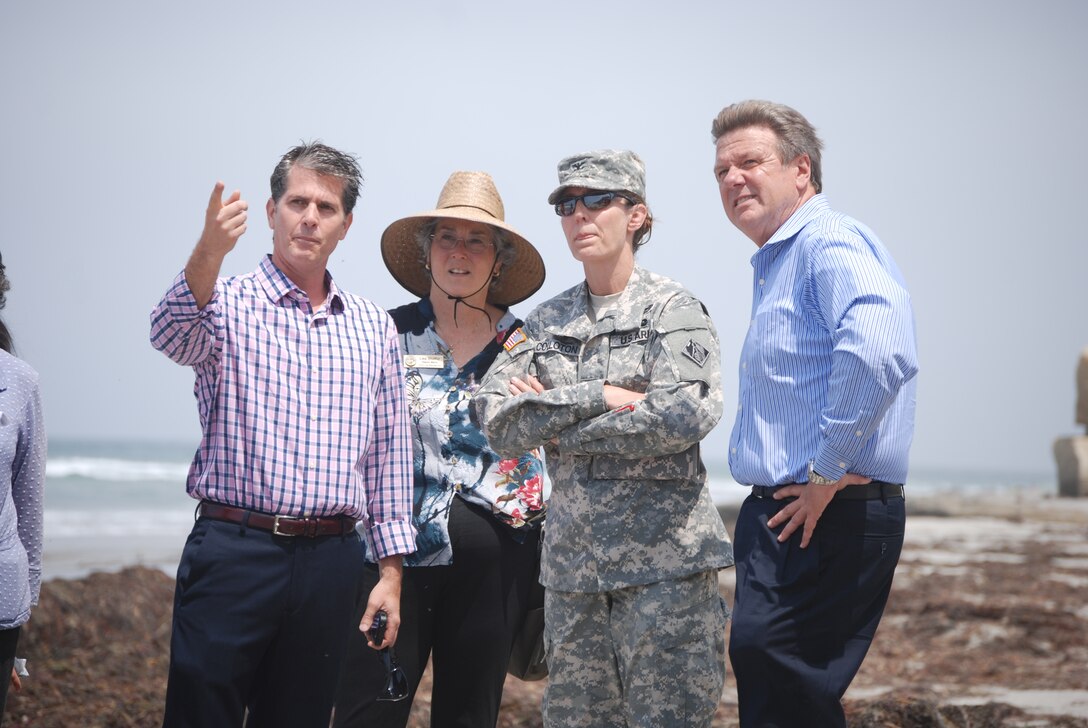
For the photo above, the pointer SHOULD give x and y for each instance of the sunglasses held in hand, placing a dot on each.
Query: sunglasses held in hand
(396, 682)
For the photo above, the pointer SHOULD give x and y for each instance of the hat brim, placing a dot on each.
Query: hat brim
(403, 257)
(585, 184)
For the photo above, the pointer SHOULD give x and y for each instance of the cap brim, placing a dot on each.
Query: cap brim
(585, 184)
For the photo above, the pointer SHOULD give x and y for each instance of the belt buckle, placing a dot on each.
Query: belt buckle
(276, 525)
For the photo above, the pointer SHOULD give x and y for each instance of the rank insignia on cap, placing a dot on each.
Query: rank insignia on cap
(514, 340)
(696, 352)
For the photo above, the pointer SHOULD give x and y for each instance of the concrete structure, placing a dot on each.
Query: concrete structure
(1071, 453)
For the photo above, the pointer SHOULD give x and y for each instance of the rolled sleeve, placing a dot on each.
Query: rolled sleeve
(179, 328)
(387, 467)
(869, 317)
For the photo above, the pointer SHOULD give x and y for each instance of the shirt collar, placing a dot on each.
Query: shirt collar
(426, 310)
(626, 311)
(505, 322)
(336, 301)
(815, 206)
(277, 286)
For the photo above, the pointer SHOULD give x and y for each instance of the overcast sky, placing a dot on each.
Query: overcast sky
(954, 130)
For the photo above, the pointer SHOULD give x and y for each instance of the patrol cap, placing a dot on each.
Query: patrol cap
(607, 170)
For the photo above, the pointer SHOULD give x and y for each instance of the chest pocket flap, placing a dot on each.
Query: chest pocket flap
(678, 466)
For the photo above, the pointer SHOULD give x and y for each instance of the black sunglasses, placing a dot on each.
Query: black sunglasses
(592, 201)
(396, 682)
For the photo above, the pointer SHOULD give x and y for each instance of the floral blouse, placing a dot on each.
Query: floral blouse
(451, 456)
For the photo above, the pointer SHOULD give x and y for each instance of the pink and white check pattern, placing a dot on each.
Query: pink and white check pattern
(303, 412)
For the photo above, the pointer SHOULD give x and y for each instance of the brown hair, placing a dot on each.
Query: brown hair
(796, 136)
(324, 160)
(642, 235)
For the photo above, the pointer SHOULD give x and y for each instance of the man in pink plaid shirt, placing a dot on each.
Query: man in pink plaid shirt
(305, 435)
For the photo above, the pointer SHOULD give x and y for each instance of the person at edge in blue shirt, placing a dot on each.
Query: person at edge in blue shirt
(22, 462)
(823, 427)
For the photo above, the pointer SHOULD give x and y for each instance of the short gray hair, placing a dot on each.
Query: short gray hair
(324, 160)
(796, 136)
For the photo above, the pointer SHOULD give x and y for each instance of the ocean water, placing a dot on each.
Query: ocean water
(114, 504)
(110, 504)
(96, 488)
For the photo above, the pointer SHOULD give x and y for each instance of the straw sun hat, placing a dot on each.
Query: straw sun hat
(466, 196)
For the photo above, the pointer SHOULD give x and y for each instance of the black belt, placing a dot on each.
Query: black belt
(876, 490)
(279, 525)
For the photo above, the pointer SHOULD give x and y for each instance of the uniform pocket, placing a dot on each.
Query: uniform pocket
(677, 672)
(678, 466)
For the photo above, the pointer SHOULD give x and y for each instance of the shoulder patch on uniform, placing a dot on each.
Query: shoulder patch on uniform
(516, 338)
(696, 352)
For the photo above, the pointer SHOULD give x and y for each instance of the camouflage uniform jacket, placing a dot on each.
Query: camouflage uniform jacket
(629, 502)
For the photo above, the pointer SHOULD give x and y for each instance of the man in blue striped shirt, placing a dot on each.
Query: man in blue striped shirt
(301, 396)
(823, 427)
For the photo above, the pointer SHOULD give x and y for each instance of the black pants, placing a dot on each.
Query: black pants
(259, 624)
(9, 642)
(463, 615)
(803, 619)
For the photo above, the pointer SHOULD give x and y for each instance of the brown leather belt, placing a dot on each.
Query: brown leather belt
(876, 490)
(279, 525)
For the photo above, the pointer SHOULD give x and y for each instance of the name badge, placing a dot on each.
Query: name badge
(424, 361)
(567, 348)
(628, 337)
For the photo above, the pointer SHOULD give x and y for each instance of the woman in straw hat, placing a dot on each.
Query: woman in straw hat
(619, 380)
(476, 513)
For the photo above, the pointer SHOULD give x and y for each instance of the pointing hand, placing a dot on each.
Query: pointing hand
(224, 222)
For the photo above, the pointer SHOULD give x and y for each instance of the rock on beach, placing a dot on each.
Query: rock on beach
(987, 625)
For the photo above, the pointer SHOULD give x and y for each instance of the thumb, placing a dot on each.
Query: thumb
(215, 202)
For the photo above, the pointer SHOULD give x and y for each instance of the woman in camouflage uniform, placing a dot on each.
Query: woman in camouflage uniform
(618, 377)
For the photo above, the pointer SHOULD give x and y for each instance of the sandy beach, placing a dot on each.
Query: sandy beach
(987, 626)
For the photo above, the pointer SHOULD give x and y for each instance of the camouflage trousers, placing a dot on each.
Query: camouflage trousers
(650, 655)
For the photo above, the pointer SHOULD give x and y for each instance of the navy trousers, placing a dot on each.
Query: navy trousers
(259, 624)
(803, 619)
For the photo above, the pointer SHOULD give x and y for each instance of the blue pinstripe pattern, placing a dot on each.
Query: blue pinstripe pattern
(827, 372)
(303, 412)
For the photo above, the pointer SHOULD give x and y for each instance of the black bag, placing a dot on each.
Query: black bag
(527, 659)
